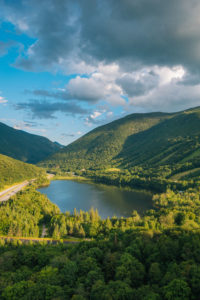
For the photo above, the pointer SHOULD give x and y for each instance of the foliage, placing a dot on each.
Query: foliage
(130, 265)
(23, 214)
(147, 140)
(14, 171)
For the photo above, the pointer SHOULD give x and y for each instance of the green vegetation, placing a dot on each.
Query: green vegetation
(25, 213)
(155, 256)
(13, 171)
(172, 211)
(146, 140)
(99, 147)
(25, 146)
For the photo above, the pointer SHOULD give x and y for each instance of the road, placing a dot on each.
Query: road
(6, 194)
(44, 231)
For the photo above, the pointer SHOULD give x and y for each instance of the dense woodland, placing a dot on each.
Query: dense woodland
(25, 213)
(146, 140)
(153, 256)
(129, 265)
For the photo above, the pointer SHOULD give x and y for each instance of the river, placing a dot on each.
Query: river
(109, 200)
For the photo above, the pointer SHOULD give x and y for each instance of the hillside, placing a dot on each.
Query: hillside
(139, 139)
(175, 140)
(24, 146)
(14, 171)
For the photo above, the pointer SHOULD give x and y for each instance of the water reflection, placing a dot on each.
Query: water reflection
(109, 200)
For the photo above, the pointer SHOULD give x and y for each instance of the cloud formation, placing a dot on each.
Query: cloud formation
(128, 53)
(3, 100)
(146, 32)
(46, 110)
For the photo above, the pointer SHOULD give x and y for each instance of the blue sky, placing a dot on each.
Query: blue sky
(69, 66)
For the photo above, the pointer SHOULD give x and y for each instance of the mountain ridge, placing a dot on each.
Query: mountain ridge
(137, 139)
(24, 146)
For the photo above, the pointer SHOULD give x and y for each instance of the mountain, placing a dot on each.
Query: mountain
(59, 145)
(25, 146)
(137, 139)
(174, 140)
(14, 171)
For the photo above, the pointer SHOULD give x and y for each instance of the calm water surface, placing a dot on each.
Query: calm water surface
(109, 200)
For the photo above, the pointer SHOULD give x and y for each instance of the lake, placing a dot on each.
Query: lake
(109, 200)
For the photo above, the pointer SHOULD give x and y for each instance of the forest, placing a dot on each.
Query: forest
(152, 256)
(127, 265)
(79, 255)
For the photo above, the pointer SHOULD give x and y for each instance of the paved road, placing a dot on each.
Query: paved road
(6, 194)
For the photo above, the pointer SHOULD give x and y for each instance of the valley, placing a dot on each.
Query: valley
(99, 150)
(112, 203)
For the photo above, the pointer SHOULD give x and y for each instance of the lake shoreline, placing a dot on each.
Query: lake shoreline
(108, 200)
(93, 181)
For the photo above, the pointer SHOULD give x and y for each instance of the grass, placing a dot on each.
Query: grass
(69, 239)
(112, 170)
(182, 174)
(9, 186)
(65, 177)
(191, 156)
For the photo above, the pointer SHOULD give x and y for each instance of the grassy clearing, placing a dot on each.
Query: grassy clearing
(112, 170)
(191, 156)
(182, 174)
(69, 239)
(65, 177)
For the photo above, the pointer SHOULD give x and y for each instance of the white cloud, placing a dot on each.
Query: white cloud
(3, 100)
(21, 125)
(95, 115)
(85, 89)
(169, 97)
(99, 85)
(167, 74)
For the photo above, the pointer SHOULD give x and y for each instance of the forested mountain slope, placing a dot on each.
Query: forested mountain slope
(100, 146)
(14, 171)
(138, 139)
(25, 146)
(176, 140)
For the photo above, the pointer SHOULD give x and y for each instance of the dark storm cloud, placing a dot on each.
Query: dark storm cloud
(138, 86)
(52, 23)
(85, 36)
(84, 94)
(144, 32)
(46, 110)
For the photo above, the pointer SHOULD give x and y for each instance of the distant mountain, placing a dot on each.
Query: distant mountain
(138, 139)
(14, 171)
(59, 145)
(25, 146)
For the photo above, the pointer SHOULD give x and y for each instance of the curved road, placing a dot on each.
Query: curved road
(6, 194)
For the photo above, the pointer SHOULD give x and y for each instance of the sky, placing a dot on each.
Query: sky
(68, 66)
